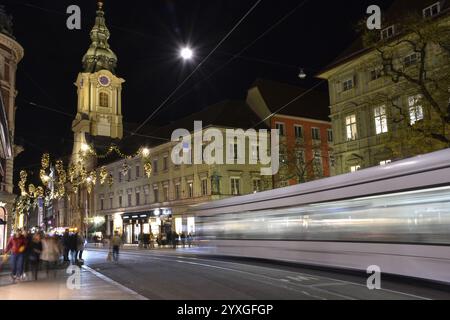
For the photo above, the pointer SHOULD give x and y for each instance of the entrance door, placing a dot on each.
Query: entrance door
(129, 238)
(137, 232)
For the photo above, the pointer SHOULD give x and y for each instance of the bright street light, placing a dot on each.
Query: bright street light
(186, 53)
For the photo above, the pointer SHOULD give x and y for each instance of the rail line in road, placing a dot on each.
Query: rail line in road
(295, 285)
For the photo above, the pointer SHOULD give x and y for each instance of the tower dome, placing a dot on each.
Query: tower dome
(99, 56)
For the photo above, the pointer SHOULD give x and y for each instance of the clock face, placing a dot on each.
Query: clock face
(104, 81)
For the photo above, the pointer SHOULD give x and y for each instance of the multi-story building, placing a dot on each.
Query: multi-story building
(302, 118)
(137, 204)
(11, 53)
(379, 90)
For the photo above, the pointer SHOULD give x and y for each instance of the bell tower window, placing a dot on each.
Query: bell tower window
(104, 100)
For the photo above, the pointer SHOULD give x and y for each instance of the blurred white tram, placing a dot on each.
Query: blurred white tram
(396, 217)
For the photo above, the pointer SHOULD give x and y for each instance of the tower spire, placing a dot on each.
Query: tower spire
(99, 55)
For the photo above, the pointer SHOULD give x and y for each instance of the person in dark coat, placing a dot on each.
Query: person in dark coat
(35, 249)
(66, 245)
(73, 247)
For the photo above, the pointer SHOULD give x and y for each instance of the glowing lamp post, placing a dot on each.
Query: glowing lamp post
(186, 53)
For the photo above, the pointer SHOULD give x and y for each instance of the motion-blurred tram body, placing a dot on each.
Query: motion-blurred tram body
(396, 217)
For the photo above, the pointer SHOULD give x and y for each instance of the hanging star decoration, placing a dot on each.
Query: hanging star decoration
(103, 175)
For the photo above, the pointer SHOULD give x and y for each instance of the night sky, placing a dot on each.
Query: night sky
(146, 36)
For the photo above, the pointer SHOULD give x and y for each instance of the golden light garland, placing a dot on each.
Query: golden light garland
(76, 174)
(22, 182)
(62, 178)
(148, 168)
(103, 175)
(45, 162)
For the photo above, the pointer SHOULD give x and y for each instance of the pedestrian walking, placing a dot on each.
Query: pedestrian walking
(50, 253)
(116, 243)
(183, 239)
(16, 245)
(81, 242)
(73, 247)
(175, 237)
(35, 250)
(189, 239)
(152, 241)
(26, 255)
(66, 244)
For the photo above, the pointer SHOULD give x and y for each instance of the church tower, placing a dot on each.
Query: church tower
(99, 110)
(98, 122)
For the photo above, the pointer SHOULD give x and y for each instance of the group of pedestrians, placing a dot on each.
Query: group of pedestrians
(173, 239)
(28, 252)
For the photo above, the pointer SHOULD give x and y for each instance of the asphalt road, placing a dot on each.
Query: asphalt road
(183, 275)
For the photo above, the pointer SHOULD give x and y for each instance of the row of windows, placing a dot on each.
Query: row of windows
(299, 134)
(428, 12)
(235, 189)
(380, 118)
(376, 73)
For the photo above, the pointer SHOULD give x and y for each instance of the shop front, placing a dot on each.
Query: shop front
(136, 225)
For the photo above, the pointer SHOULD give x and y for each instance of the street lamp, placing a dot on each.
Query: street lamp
(302, 74)
(186, 53)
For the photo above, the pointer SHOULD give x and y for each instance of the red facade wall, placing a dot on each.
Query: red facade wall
(290, 139)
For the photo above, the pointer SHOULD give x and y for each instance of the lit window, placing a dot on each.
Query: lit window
(380, 120)
(281, 129)
(104, 100)
(388, 32)
(355, 168)
(415, 109)
(350, 123)
(410, 60)
(330, 135)
(348, 84)
(235, 186)
(385, 162)
(298, 132)
(315, 132)
(432, 10)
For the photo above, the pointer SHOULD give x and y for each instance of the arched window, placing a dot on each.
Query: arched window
(104, 100)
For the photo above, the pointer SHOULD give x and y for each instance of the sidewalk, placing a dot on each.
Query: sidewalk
(94, 286)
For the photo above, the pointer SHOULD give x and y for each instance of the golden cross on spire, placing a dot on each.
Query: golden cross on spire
(100, 4)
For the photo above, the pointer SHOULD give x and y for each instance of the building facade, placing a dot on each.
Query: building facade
(11, 53)
(306, 137)
(376, 98)
(137, 204)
